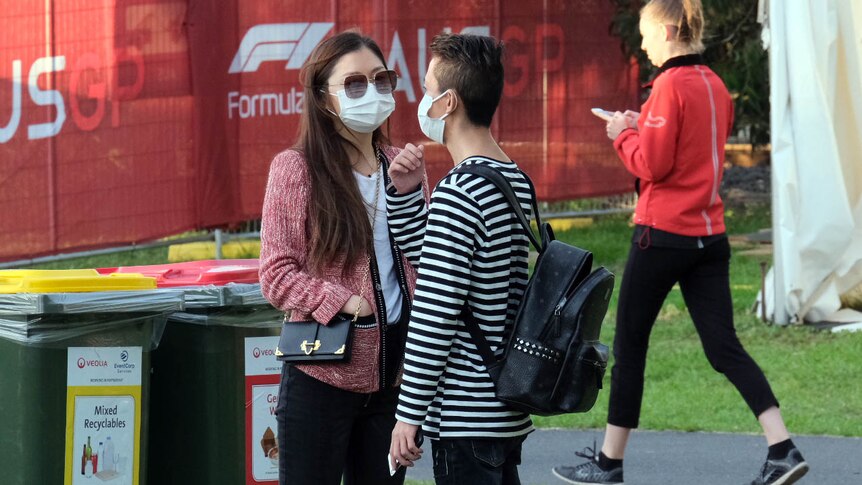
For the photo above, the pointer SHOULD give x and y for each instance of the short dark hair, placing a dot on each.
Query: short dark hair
(472, 65)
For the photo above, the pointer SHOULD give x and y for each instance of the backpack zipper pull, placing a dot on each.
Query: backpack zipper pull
(558, 310)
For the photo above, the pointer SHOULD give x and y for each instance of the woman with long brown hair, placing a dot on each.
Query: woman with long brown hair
(326, 250)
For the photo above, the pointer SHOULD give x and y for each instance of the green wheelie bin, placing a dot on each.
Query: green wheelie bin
(215, 377)
(74, 375)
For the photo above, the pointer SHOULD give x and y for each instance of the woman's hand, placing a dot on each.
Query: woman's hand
(408, 168)
(632, 117)
(620, 122)
(349, 308)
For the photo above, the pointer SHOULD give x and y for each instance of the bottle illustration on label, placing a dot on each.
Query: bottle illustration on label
(83, 459)
(88, 464)
(100, 457)
(108, 460)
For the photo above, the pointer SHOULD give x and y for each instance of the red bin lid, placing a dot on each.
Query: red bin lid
(196, 273)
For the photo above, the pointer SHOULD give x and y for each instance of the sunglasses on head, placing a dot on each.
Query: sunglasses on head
(356, 85)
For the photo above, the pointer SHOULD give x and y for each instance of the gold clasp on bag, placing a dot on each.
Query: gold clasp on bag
(278, 352)
(340, 350)
(308, 348)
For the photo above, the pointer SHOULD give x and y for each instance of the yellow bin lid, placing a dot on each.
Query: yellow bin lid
(70, 281)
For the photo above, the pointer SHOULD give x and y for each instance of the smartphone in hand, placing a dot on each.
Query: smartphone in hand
(603, 114)
(418, 440)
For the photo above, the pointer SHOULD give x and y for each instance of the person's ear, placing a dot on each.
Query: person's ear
(452, 101)
(327, 101)
(665, 32)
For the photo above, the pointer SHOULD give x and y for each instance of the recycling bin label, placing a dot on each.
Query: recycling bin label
(103, 415)
(262, 375)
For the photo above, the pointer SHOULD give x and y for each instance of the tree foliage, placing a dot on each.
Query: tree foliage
(733, 50)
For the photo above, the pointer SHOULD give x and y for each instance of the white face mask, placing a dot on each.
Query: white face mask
(365, 114)
(431, 127)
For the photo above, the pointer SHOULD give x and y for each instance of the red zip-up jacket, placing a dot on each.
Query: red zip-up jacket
(677, 151)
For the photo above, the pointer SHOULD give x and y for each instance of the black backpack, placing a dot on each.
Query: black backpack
(553, 362)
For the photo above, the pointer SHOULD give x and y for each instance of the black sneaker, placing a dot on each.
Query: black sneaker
(589, 472)
(782, 472)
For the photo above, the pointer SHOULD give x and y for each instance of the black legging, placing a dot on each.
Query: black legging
(703, 276)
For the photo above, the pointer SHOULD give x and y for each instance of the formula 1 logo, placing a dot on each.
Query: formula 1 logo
(291, 43)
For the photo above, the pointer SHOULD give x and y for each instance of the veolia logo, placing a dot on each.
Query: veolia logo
(259, 352)
(82, 362)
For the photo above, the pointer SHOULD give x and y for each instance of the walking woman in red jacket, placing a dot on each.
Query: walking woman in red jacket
(675, 147)
(326, 249)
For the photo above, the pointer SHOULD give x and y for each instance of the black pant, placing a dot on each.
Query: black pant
(324, 432)
(703, 276)
(477, 461)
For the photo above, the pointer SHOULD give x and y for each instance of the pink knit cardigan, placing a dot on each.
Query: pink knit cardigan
(288, 285)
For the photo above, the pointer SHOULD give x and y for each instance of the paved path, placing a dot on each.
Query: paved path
(674, 458)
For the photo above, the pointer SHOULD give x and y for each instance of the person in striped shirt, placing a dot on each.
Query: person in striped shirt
(472, 253)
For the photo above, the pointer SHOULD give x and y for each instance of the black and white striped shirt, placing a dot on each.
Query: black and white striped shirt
(472, 251)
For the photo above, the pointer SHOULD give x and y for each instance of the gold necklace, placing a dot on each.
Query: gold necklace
(373, 215)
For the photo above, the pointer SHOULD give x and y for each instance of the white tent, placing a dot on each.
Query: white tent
(815, 68)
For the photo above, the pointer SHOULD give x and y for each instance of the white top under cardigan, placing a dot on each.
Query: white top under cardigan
(382, 245)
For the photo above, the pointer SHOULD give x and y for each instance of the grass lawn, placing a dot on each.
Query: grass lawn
(135, 257)
(815, 374)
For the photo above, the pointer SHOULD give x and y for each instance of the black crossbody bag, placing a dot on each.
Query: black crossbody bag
(312, 342)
